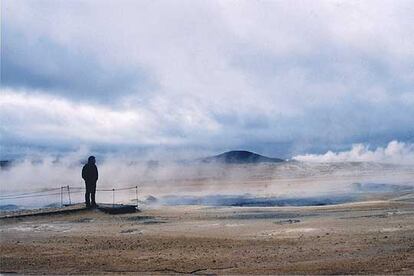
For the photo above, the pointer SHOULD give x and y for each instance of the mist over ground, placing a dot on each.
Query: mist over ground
(329, 174)
(395, 152)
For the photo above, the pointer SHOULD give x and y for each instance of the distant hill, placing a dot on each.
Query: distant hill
(8, 207)
(241, 157)
(4, 164)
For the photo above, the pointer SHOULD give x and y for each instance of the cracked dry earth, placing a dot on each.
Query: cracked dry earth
(356, 238)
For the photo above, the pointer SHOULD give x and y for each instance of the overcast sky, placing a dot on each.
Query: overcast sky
(277, 77)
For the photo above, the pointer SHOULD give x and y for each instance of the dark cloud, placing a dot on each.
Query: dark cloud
(62, 70)
(211, 76)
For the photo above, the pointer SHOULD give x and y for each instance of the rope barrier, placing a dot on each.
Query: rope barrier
(102, 190)
(70, 190)
(120, 189)
(29, 196)
(30, 193)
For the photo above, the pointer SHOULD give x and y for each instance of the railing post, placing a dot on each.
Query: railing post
(61, 197)
(136, 194)
(70, 201)
(113, 197)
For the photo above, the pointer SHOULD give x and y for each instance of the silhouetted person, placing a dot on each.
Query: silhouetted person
(90, 175)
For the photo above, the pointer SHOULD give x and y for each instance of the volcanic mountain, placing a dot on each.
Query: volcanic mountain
(241, 157)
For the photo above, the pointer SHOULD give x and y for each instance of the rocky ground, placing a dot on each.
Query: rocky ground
(374, 237)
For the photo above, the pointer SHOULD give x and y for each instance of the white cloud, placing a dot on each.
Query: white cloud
(395, 152)
(304, 70)
(41, 117)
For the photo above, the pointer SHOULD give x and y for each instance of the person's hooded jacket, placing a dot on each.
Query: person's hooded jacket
(90, 172)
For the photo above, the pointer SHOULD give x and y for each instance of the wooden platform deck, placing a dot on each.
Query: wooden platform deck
(44, 211)
(107, 208)
(117, 208)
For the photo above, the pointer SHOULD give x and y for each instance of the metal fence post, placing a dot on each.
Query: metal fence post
(136, 194)
(70, 201)
(61, 197)
(113, 197)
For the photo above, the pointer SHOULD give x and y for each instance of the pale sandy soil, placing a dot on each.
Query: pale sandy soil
(358, 238)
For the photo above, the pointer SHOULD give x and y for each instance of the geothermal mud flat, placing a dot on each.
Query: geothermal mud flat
(364, 237)
(288, 218)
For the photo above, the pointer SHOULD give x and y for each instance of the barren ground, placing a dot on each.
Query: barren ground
(374, 237)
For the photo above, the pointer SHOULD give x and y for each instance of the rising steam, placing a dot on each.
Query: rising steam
(395, 153)
(315, 175)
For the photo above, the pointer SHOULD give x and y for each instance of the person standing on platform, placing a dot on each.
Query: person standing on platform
(90, 175)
